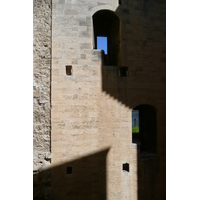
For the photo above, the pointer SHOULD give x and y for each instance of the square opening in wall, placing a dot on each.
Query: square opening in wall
(125, 167)
(69, 170)
(68, 70)
(123, 72)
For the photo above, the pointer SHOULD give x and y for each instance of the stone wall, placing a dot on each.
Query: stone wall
(91, 108)
(85, 119)
(41, 81)
(41, 93)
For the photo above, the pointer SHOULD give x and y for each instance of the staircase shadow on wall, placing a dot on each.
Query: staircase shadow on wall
(140, 87)
(149, 176)
(80, 179)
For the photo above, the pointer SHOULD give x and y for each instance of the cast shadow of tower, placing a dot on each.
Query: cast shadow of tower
(79, 179)
(134, 73)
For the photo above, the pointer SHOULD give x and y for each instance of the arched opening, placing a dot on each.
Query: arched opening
(107, 25)
(144, 127)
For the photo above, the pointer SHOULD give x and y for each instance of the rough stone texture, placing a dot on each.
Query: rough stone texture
(41, 82)
(41, 98)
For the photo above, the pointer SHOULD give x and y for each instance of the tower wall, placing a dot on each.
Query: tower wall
(41, 82)
(91, 109)
(91, 104)
(86, 119)
(41, 93)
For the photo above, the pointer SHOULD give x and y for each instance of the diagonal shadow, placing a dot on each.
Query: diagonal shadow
(79, 179)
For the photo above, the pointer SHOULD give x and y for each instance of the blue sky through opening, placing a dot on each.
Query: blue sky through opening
(102, 43)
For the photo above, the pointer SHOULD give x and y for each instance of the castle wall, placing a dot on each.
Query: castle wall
(41, 81)
(84, 118)
(91, 108)
(41, 90)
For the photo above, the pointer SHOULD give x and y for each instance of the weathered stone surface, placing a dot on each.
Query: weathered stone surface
(41, 81)
(41, 98)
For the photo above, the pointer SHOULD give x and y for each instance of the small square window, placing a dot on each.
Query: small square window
(69, 170)
(123, 72)
(125, 167)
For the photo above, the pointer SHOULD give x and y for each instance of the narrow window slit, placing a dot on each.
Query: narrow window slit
(68, 70)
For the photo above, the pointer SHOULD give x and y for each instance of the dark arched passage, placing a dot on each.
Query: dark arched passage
(144, 127)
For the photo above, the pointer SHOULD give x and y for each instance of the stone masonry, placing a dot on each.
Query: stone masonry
(41, 82)
(41, 96)
(83, 118)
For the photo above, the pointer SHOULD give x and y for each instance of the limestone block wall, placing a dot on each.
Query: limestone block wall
(84, 119)
(41, 82)
(41, 98)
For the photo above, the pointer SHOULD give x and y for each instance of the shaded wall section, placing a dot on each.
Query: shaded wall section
(79, 179)
(148, 178)
(143, 50)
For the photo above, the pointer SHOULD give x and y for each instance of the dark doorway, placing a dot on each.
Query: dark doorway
(144, 127)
